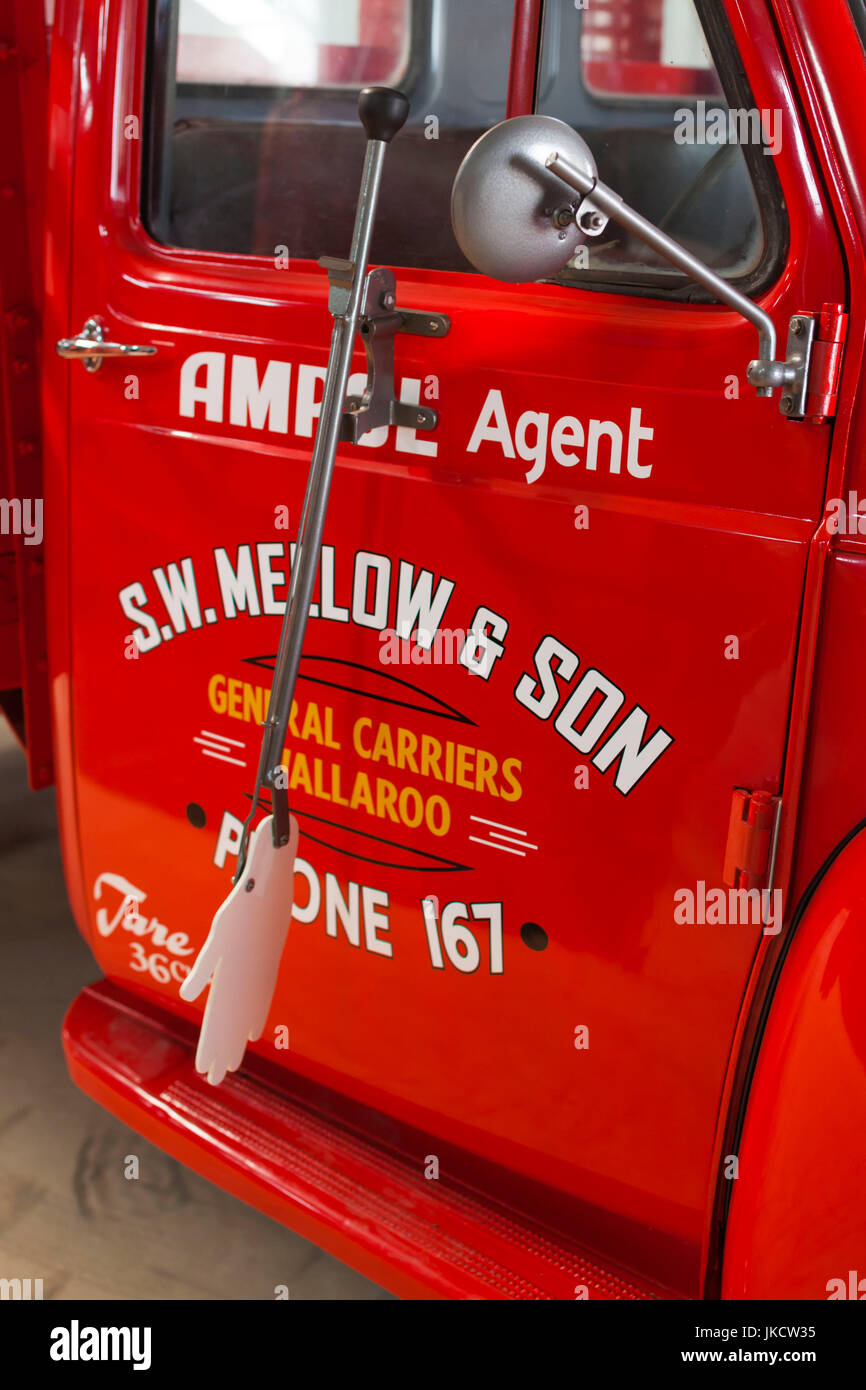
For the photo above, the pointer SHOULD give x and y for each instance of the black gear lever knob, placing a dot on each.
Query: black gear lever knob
(383, 111)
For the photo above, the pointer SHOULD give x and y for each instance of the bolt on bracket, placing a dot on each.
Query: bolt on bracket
(381, 320)
(590, 219)
(792, 374)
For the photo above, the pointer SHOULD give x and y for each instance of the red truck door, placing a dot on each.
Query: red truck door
(604, 496)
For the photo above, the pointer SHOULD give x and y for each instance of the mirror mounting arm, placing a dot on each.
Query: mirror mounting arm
(599, 204)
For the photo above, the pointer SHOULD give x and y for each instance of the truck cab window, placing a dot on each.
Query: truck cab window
(254, 141)
(647, 86)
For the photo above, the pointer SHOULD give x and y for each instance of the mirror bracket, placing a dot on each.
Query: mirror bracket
(765, 373)
(792, 375)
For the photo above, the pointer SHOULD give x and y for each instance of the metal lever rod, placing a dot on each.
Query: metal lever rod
(324, 455)
(383, 113)
(612, 206)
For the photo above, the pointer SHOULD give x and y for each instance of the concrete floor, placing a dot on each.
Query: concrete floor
(67, 1214)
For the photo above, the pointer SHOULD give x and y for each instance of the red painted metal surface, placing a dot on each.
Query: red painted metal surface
(525, 37)
(827, 355)
(290, 1153)
(63, 105)
(830, 90)
(824, 53)
(721, 536)
(24, 691)
(832, 798)
(798, 1222)
(750, 838)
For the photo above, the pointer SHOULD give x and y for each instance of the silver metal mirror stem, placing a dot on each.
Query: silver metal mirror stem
(765, 373)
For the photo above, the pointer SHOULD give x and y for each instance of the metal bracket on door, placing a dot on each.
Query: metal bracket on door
(381, 320)
(811, 373)
(792, 374)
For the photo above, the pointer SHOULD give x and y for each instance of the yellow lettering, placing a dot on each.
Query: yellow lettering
(361, 794)
(415, 817)
(358, 746)
(300, 774)
(216, 694)
(312, 724)
(254, 703)
(437, 824)
(383, 748)
(516, 790)
(319, 790)
(330, 741)
(386, 799)
(336, 796)
(465, 759)
(485, 767)
(431, 751)
(407, 742)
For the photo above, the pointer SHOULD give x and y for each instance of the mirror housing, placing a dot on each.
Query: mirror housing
(512, 217)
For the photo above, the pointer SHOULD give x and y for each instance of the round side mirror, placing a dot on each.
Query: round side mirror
(512, 217)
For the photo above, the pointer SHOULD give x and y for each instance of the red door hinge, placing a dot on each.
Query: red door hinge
(751, 835)
(825, 369)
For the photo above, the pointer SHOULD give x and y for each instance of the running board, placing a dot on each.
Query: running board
(361, 1201)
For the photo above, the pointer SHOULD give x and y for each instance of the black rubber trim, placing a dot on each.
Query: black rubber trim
(158, 106)
(765, 181)
(748, 1061)
(858, 14)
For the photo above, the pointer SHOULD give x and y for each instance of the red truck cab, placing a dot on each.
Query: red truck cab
(570, 1002)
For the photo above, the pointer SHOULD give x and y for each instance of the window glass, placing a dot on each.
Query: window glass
(636, 78)
(254, 139)
(654, 49)
(292, 43)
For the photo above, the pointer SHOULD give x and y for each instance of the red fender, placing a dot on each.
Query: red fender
(797, 1221)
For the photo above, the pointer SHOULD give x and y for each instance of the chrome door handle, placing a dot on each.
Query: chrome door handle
(90, 347)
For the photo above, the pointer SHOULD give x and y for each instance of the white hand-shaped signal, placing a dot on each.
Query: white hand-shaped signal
(241, 956)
